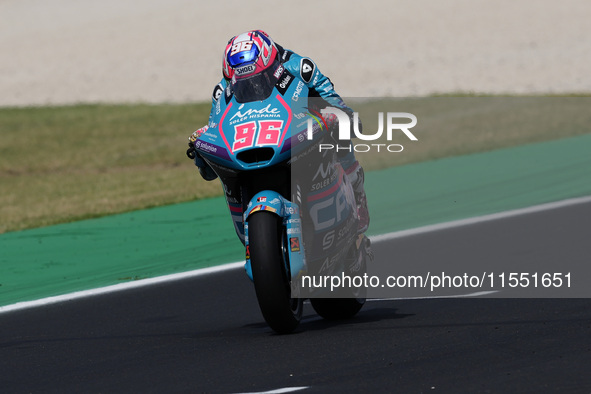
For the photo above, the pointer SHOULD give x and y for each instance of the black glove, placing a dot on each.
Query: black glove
(191, 152)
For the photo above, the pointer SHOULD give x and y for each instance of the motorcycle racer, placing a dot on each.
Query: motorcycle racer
(251, 65)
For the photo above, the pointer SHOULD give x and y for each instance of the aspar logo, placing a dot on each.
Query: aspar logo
(317, 116)
(345, 130)
(256, 113)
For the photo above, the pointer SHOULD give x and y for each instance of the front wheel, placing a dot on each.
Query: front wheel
(269, 259)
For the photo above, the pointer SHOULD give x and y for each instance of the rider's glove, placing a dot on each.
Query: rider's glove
(333, 123)
(204, 169)
(191, 152)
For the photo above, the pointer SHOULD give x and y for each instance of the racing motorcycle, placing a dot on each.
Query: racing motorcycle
(292, 204)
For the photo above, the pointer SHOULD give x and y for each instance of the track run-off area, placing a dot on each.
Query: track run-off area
(182, 327)
(140, 245)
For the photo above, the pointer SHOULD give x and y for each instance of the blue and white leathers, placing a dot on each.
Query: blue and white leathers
(252, 145)
(239, 130)
(318, 84)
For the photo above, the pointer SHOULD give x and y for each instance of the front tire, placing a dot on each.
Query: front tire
(269, 259)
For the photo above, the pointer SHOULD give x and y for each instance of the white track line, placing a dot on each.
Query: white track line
(120, 286)
(230, 266)
(281, 390)
(480, 219)
(477, 294)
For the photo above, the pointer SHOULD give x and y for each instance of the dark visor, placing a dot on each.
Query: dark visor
(257, 87)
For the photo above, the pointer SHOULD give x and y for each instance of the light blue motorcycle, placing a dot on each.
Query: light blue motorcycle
(292, 205)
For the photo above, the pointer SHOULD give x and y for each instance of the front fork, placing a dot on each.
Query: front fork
(289, 213)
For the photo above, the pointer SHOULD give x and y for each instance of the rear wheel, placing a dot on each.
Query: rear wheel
(337, 308)
(269, 259)
(353, 298)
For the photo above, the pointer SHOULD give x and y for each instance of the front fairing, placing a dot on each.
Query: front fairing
(258, 134)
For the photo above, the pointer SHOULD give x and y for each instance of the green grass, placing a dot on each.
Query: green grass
(451, 126)
(67, 163)
(60, 164)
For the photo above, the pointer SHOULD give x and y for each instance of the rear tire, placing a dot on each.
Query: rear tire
(353, 298)
(337, 308)
(269, 259)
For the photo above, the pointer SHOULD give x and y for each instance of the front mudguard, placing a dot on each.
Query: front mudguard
(289, 212)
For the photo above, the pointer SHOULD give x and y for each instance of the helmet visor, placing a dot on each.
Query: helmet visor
(256, 87)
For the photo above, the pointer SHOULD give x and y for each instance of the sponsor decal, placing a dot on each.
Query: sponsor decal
(241, 47)
(262, 208)
(201, 145)
(247, 252)
(324, 172)
(218, 107)
(326, 212)
(328, 264)
(212, 149)
(233, 200)
(267, 112)
(217, 91)
(318, 118)
(249, 69)
(326, 86)
(198, 133)
(294, 244)
(255, 209)
(263, 133)
(278, 72)
(298, 91)
(286, 56)
(307, 69)
(328, 240)
(284, 83)
(262, 199)
(291, 210)
(228, 96)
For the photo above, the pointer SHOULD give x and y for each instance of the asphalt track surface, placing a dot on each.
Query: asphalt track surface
(206, 334)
